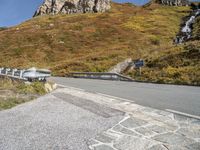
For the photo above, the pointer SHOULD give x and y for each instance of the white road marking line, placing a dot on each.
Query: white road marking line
(70, 87)
(114, 97)
(183, 114)
(106, 95)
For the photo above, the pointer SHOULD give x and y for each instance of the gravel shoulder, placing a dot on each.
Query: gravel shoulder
(51, 123)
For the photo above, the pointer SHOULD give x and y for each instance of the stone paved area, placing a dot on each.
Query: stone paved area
(144, 128)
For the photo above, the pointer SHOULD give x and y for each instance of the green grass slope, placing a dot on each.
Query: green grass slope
(96, 42)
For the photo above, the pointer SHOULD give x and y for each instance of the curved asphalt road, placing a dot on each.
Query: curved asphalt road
(184, 99)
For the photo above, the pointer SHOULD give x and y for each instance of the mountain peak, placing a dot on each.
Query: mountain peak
(72, 6)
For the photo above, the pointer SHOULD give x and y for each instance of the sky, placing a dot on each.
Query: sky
(13, 12)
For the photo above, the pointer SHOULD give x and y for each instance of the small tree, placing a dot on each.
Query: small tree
(199, 6)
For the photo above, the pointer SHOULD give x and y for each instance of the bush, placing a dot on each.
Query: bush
(33, 88)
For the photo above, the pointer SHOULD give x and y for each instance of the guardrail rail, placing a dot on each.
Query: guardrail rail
(100, 75)
(31, 74)
(12, 73)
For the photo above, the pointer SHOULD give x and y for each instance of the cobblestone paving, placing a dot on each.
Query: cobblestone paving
(143, 128)
(148, 132)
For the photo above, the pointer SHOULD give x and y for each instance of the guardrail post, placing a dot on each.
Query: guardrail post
(21, 73)
(13, 72)
(6, 71)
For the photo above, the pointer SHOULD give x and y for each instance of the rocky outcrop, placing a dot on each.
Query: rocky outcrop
(122, 66)
(174, 2)
(72, 6)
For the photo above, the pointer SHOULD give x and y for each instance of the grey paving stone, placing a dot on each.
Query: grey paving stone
(194, 146)
(196, 122)
(183, 124)
(148, 109)
(180, 118)
(173, 139)
(103, 147)
(119, 128)
(104, 138)
(158, 147)
(171, 125)
(132, 143)
(163, 113)
(133, 122)
(190, 132)
(158, 129)
(172, 147)
(145, 131)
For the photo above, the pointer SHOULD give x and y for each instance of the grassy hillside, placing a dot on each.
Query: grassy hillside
(96, 42)
(179, 64)
(196, 29)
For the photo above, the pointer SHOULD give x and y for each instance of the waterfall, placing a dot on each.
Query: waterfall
(186, 31)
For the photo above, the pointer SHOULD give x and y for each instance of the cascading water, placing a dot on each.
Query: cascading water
(186, 31)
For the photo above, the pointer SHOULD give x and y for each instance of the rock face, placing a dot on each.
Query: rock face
(122, 66)
(174, 2)
(72, 6)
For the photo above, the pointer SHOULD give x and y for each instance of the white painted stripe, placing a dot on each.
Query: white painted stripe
(106, 95)
(114, 97)
(183, 114)
(70, 87)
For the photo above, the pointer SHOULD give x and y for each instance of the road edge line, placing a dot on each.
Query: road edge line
(183, 114)
(127, 100)
(101, 94)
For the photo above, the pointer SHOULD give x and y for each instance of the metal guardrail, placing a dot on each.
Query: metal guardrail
(31, 74)
(99, 75)
(12, 73)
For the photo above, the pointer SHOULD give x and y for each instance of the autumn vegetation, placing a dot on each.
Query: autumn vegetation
(96, 42)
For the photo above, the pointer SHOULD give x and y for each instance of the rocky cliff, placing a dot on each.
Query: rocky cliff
(72, 6)
(174, 2)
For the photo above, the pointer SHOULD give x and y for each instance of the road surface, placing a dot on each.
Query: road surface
(54, 122)
(184, 99)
